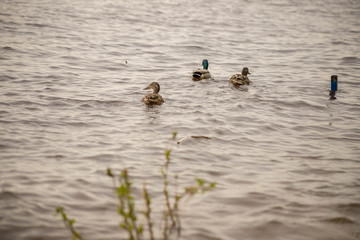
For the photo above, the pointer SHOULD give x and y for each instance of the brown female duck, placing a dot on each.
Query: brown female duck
(153, 98)
(241, 79)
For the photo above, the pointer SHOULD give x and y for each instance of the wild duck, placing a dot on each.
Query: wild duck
(241, 79)
(204, 73)
(153, 98)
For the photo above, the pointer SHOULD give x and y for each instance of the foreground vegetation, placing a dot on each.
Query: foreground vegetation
(130, 215)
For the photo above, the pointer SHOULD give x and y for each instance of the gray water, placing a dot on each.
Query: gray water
(285, 157)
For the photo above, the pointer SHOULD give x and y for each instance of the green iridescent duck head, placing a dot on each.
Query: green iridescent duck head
(205, 64)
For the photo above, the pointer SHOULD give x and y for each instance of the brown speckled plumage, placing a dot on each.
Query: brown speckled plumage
(240, 79)
(153, 98)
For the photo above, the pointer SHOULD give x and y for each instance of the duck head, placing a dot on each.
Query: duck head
(245, 71)
(205, 64)
(154, 86)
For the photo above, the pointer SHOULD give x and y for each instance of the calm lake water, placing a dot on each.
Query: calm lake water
(286, 159)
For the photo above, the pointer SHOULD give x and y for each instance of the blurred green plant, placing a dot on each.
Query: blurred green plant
(127, 210)
(171, 213)
(69, 223)
(126, 207)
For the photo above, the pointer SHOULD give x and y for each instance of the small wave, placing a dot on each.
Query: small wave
(105, 102)
(191, 47)
(11, 94)
(3, 112)
(350, 60)
(86, 105)
(114, 69)
(6, 78)
(275, 222)
(51, 76)
(339, 43)
(6, 195)
(3, 146)
(339, 220)
(286, 50)
(7, 48)
(354, 31)
(317, 171)
(298, 104)
(37, 25)
(8, 23)
(69, 57)
(57, 156)
(105, 157)
(58, 101)
(25, 102)
(4, 14)
(351, 206)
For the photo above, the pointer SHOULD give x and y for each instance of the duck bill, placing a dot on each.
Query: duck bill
(148, 87)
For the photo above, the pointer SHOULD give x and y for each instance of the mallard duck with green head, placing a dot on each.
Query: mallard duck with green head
(241, 79)
(204, 73)
(153, 98)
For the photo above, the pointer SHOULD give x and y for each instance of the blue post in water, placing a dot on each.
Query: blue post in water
(334, 87)
(334, 83)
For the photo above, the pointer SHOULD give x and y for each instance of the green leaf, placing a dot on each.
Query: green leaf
(124, 174)
(167, 154)
(141, 228)
(120, 211)
(212, 185)
(59, 209)
(122, 191)
(109, 173)
(200, 181)
(71, 222)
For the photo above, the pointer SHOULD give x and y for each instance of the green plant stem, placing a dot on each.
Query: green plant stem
(69, 223)
(167, 199)
(126, 208)
(130, 204)
(148, 211)
(166, 225)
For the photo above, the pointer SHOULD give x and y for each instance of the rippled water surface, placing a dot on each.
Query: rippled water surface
(285, 157)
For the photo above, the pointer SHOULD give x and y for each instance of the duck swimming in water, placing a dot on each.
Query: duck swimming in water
(241, 79)
(204, 73)
(153, 98)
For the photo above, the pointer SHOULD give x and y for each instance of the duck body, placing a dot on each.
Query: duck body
(153, 98)
(200, 74)
(240, 79)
